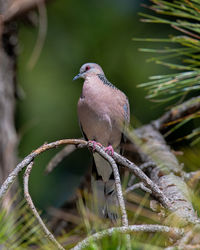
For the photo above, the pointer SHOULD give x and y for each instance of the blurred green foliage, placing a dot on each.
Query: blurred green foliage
(19, 228)
(78, 32)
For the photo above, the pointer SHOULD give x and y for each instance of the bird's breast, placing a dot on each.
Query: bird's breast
(99, 114)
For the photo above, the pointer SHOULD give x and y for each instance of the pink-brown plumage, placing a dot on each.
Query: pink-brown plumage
(103, 111)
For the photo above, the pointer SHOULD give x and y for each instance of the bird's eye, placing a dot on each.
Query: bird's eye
(87, 68)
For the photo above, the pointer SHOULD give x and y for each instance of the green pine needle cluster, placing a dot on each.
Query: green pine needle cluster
(180, 52)
(184, 48)
(19, 228)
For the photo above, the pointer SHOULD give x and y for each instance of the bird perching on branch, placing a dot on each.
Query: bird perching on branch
(103, 112)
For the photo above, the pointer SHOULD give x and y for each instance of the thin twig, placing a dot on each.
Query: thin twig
(143, 166)
(34, 210)
(136, 186)
(68, 149)
(185, 247)
(63, 215)
(147, 164)
(130, 229)
(131, 180)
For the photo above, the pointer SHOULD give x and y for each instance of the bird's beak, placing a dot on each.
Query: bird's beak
(77, 76)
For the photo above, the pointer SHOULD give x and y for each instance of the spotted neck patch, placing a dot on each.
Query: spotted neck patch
(105, 81)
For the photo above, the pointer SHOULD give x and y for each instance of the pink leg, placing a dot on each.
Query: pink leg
(94, 143)
(109, 150)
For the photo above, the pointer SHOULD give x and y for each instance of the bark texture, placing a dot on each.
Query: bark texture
(8, 135)
(167, 175)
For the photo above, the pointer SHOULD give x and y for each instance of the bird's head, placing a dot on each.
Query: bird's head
(89, 69)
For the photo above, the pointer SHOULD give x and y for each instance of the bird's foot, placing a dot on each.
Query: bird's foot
(109, 150)
(94, 144)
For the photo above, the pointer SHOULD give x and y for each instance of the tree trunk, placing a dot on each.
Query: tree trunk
(8, 135)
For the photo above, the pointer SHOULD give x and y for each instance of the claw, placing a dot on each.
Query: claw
(94, 143)
(109, 150)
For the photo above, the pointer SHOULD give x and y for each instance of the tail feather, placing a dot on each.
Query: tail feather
(105, 202)
(111, 205)
(99, 199)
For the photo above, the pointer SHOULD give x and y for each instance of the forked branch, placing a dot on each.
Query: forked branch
(113, 160)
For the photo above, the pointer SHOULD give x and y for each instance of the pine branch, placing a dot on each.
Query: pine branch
(185, 14)
(168, 174)
(184, 17)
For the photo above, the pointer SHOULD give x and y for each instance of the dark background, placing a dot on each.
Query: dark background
(79, 32)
